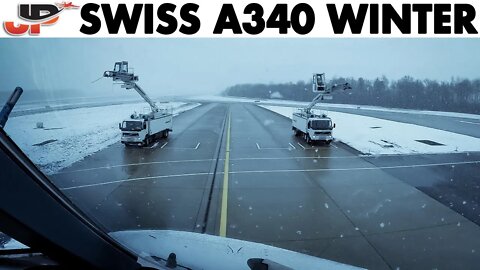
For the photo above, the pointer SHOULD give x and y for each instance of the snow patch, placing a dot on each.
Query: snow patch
(13, 244)
(74, 134)
(292, 103)
(276, 94)
(390, 137)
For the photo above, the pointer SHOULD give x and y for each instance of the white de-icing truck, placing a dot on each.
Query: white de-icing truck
(140, 129)
(143, 129)
(316, 127)
(313, 127)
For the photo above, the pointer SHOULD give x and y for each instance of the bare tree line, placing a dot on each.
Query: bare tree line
(456, 95)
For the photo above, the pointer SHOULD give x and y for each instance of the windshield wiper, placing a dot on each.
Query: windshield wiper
(170, 262)
(8, 107)
(265, 264)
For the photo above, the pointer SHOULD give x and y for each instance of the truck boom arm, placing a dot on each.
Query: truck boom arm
(320, 96)
(316, 100)
(130, 85)
(121, 73)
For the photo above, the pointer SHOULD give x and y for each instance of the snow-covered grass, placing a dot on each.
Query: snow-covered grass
(372, 108)
(13, 244)
(77, 102)
(282, 102)
(410, 111)
(376, 136)
(78, 132)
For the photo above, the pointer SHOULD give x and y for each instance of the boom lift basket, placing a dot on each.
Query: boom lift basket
(318, 83)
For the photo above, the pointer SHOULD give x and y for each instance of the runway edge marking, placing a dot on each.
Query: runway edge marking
(223, 213)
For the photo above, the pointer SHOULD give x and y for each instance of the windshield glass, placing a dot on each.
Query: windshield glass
(321, 124)
(132, 125)
(394, 184)
(320, 79)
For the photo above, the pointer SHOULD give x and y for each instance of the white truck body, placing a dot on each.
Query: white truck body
(313, 127)
(140, 129)
(144, 128)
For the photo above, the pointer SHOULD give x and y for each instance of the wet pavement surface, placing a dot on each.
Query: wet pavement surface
(388, 212)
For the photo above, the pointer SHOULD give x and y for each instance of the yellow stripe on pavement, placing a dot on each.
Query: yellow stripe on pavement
(223, 214)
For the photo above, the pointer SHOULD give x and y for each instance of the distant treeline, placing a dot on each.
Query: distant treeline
(457, 95)
(30, 95)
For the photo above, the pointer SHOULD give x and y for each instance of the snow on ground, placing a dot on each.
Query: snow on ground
(376, 136)
(78, 132)
(282, 102)
(13, 244)
(79, 102)
(371, 108)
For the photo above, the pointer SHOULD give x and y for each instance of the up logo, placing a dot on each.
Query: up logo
(38, 14)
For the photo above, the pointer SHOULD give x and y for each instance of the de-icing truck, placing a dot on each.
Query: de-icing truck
(140, 129)
(316, 127)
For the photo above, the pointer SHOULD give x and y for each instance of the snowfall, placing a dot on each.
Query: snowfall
(374, 136)
(68, 136)
(292, 103)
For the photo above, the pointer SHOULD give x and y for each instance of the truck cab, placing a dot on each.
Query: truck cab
(313, 127)
(134, 131)
(320, 129)
(142, 129)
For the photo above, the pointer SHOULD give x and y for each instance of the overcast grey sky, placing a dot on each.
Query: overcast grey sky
(207, 66)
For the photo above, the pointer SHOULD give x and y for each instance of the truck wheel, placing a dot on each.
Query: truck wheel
(307, 138)
(328, 142)
(296, 132)
(165, 134)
